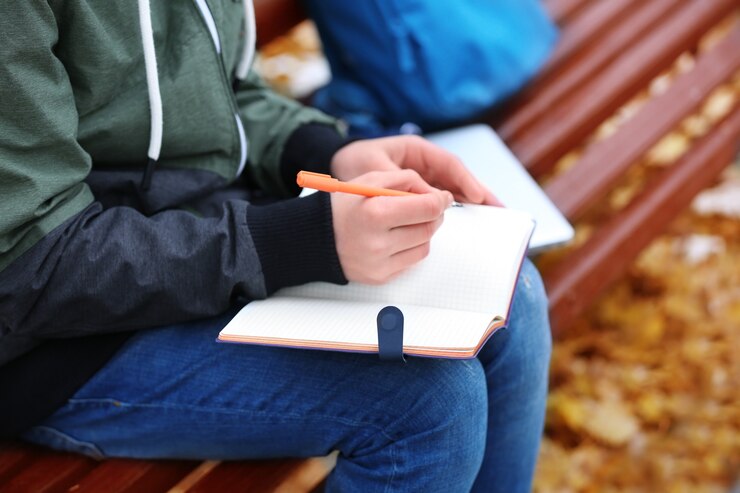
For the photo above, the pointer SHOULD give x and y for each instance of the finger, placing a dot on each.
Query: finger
(394, 212)
(465, 186)
(405, 237)
(491, 199)
(401, 261)
(445, 170)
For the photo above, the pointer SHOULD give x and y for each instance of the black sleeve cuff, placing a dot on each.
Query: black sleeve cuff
(310, 147)
(295, 242)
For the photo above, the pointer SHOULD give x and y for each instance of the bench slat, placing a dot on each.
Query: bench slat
(132, 476)
(580, 277)
(276, 17)
(12, 459)
(585, 29)
(562, 10)
(585, 183)
(256, 475)
(546, 92)
(49, 472)
(573, 119)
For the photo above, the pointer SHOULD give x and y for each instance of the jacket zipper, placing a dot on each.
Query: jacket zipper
(207, 16)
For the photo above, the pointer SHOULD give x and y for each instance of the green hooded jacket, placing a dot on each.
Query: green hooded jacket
(84, 247)
(74, 97)
(133, 145)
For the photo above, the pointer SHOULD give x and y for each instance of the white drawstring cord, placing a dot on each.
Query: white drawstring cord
(152, 78)
(152, 82)
(250, 41)
(210, 23)
(250, 45)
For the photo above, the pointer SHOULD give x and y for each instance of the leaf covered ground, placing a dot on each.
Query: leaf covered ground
(644, 388)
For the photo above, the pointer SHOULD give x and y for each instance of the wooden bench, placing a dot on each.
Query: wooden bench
(608, 55)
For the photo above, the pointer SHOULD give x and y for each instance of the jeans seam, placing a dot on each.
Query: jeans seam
(394, 463)
(291, 416)
(119, 403)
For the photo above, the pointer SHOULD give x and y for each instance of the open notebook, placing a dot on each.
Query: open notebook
(452, 301)
(488, 158)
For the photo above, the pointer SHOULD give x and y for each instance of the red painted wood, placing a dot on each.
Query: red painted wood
(547, 91)
(263, 475)
(13, 457)
(132, 476)
(566, 124)
(604, 162)
(584, 30)
(49, 472)
(275, 17)
(580, 277)
(563, 10)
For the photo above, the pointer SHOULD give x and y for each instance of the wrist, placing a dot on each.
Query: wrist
(295, 242)
(310, 147)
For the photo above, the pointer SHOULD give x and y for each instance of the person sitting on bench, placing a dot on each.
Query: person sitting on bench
(146, 179)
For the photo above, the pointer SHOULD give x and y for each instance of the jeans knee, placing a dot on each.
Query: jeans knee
(428, 428)
(520, 353)
(457, 396)
(530, 312)
(447, 411)
(530, 293)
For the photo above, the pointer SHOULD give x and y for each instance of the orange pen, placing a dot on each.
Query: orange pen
(325, 183)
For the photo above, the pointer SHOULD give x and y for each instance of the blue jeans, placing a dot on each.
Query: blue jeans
(427, 425)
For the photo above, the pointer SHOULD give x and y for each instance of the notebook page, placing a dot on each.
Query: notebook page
(300, 321)
(472, 266)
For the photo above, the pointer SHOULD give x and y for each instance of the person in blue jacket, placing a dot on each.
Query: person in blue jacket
(403, 66)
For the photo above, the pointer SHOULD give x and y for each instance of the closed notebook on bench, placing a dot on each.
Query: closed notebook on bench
(488, 158)
(452, 301)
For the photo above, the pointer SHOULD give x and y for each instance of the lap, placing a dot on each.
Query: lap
(176, 392)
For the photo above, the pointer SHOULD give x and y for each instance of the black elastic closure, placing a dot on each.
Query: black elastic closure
(146, 180)
(390, 334)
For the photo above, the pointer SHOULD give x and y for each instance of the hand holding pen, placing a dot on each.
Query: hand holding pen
(378, 239)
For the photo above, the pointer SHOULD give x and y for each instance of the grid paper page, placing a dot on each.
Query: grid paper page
(352, 323)
(472, 266)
